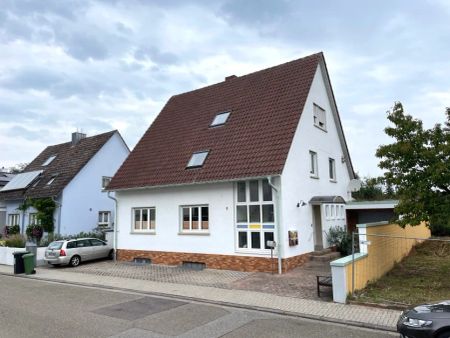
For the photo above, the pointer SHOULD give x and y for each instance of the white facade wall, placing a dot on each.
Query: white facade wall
(167, 201)
(83, 197)
(296, 183)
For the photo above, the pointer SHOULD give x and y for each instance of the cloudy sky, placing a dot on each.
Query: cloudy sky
(102, 65)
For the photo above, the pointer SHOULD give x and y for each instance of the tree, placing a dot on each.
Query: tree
(373, 189)
(18, 168)
(417, 165)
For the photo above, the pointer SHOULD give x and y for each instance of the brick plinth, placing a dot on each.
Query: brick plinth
(224, 262)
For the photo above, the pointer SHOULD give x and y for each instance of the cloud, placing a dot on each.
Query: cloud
(100, 65)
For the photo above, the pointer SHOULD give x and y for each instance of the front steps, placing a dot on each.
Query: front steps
(325, 255)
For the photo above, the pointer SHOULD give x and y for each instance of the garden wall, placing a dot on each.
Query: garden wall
(381, 246)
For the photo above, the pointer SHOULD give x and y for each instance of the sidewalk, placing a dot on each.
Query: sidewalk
(345, 314)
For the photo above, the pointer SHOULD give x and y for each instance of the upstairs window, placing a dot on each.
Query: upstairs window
(197, 159)
(320, 117)
(220, 119)
(332, 169)
(105, 181)
(314, 170)
(49, 160)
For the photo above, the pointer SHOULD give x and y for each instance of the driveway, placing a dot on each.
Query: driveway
(299, 283)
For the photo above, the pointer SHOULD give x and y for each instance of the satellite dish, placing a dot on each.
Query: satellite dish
(354, 185)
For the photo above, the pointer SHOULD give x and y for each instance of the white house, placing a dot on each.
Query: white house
(74, 174)
(225, 169)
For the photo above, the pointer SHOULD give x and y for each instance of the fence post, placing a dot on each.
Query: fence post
(353, 261)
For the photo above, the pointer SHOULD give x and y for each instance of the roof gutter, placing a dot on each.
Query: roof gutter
(277, 222)
(115, 225)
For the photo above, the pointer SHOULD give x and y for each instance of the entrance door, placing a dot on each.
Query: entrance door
(317, 221)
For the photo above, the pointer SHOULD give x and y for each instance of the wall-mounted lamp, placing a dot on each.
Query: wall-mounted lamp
(343, 159)
(301, 204)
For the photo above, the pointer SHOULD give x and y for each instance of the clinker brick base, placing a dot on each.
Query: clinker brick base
(224, 262)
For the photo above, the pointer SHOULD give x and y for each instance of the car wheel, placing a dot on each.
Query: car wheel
(111, 254)
(75, 261)
(445, 334)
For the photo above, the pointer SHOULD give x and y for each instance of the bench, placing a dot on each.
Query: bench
(324, 281)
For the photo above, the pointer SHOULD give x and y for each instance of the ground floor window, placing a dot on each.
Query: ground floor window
(32, 219)
(13, 219)
(255, 239)
(104, 218)
(194, 218)
(144, 219)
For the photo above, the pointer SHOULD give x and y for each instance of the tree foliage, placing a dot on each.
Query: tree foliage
(374, 189)
(45, 208)
(417, 164)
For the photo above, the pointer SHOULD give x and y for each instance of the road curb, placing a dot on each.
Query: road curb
(212, 302)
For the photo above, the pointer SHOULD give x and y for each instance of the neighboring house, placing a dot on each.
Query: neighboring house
(197, 186)
(363, 212)
(74, 174)
(4, 179)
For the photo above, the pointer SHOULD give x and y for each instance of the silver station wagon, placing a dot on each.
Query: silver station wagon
(75, 251)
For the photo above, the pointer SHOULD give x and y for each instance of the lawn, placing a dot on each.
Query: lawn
(423, 276)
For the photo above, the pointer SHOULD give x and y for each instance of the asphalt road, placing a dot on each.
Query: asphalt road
(31, 308)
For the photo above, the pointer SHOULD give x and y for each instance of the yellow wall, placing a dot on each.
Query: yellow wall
(384, 252)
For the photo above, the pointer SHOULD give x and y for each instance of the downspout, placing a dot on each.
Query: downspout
(115, 225)
(277, 223)
(59, 215)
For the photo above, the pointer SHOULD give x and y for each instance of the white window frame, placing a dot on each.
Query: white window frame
(133, 221)
(332, 169)
(313, 164)
(319, 117)
(220, 119)
(105, 179)
(249, 229)
(191, 230)
(51, 180)
(12, 217)
(103, 223)
(192, 161)
(32, 217)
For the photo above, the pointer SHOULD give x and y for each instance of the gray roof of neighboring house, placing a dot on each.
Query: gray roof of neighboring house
(383, 204)
(5, 178)
(70, 159)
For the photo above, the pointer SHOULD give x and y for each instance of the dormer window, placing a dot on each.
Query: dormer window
(220, 119)
(197, 159)
(320, 117)
(49, 160)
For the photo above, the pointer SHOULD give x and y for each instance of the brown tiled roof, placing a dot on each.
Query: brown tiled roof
(265, 110)
(70, 159)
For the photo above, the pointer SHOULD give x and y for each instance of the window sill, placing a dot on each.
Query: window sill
(314, 176)
(142, 232)
(259, 252)
(321, 128)
(333, 181)
(192, 233)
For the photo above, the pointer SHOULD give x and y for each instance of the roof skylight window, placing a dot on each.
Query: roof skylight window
(49, 160)
(50, 181)
(197, 159)
(220, 119)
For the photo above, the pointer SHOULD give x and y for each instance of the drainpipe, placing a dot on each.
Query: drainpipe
(115, 225)
(277, 222)
(59, 215)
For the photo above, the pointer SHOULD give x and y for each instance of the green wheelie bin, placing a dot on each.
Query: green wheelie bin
(28, 262)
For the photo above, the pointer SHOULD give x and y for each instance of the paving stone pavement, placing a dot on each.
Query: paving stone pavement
(300, 282)
(347, 314)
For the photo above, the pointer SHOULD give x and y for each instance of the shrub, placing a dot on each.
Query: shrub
(339, 237)
(12, 230)
(438, 229)
(15, 241)
(35, 232)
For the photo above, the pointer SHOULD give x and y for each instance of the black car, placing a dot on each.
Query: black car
(426, 321)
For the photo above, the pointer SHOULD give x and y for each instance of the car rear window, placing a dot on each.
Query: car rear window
(71, 245)
(55, 245)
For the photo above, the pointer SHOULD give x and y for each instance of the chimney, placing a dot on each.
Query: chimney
(77, 137)
(231, 77)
